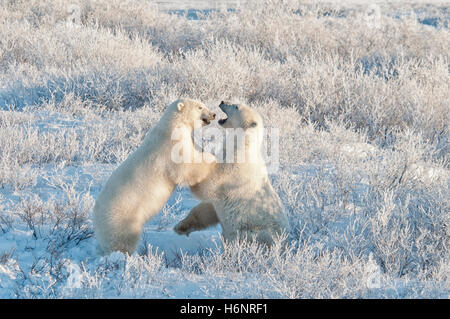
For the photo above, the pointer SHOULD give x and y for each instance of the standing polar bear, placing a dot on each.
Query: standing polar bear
(141, 185)
(239, 195)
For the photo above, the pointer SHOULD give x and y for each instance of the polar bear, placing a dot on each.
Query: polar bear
(238, 194)
(141, 185)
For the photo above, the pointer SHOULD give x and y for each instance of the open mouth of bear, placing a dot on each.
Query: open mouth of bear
(222, 121)
(206, 121)
(225, 110)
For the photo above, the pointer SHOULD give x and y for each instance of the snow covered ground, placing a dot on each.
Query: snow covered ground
(361, 102)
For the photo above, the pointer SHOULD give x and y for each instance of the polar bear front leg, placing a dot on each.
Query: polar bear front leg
(196, 173)
(200, 217)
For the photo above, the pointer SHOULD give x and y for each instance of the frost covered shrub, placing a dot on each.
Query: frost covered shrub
(362, 110)
(88, 136)
(326, 61)
(371, 201)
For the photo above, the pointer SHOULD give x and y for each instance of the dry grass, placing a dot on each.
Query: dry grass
(362, 107)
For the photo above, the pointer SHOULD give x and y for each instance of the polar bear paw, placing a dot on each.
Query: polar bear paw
(183, 228)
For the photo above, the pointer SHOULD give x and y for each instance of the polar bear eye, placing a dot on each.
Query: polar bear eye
(200, 107)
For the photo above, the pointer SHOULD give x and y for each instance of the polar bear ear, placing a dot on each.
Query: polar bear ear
(180, 106)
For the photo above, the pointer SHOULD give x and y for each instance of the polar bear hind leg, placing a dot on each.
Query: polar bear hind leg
(200, 217)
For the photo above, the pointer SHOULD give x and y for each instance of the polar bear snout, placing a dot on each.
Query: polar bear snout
(208, 116)
(226, 107)
(225, 103)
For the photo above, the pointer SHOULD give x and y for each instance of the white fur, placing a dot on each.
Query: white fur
(141, 185)
(240, 193)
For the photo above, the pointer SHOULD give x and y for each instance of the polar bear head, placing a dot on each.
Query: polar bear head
(242, 118)
(190, 111)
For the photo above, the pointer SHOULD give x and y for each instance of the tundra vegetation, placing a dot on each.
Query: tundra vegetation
(360, 93)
